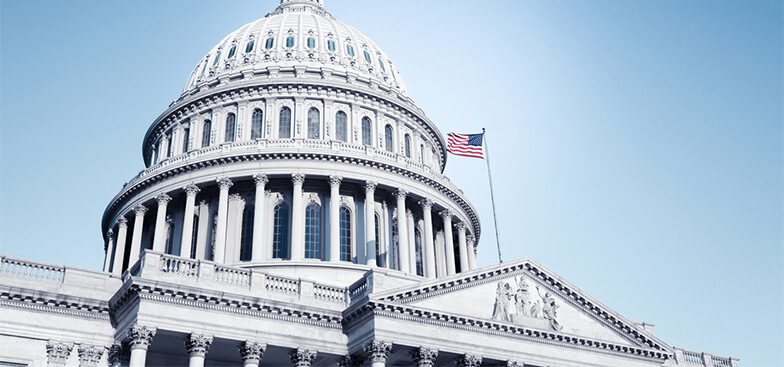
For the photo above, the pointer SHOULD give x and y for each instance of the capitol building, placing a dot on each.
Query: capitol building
(293, 212)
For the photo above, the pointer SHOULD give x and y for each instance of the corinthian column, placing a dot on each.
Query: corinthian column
(461, 246)
(89, 355)
(109, 249)
(197, 347)
(424, 357)
(159, 241)
(119, 252)
(430, 257)
(377, 352)
(402, 231)
(448, 242)
(370, 222)
(57, 353)
(471, 251)
(224, 183)
(136, 240)
(259, 252)
(251, 353)
(140, 340)
(469, 360)
(334, 220)
(297, 218)
(187, 222)
(302, 357)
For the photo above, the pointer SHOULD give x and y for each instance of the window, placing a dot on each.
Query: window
(231, 127)
(341, 128)
(421, 153)
(284, 123)
(313, 123)
(350, 50)
(205, 134)
(345, 234)
(367, 131)
(257, 122)
(217, 58)
(246, 236)
(289, 42)
(268, 44)
(381, 64)
(331, 45)
(232, 51)
(379, 255)
(408, 146)
(313, 231)
(169, 236)
(418, 248)
(280, 232)
(311, 42)
(169, 144)
(186, 136)
(250, 45)
(194, 233)
(395, 246)
(388, 139)
(367, 57)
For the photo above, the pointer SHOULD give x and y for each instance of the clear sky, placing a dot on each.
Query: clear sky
(636, 146)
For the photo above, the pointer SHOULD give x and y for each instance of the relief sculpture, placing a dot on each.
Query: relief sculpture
(524, 306)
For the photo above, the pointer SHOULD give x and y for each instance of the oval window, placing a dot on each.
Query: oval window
(231, 52)
(331, 45)
(367, 57)
(290, 42)
(311, 42)
(217, 57)
(268, 44)
(249, 47)
(381, 64)
(350, 50)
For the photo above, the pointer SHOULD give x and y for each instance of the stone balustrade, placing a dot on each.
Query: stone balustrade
(31, 270)
(690, 358)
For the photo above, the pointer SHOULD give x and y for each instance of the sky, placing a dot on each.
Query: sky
(636, 146)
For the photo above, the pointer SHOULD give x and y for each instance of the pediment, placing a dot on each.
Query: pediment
(524, 294)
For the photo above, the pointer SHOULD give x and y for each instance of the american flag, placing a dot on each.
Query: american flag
(468, 145)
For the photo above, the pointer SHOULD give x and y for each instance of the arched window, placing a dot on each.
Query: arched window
(395, 246)
(367, 131)
(388, 139)
(232, 51)
(206, 132)
(311, 42)
(268, 44)
(231, 127)
(408, 146)
(169, 236)
(381, 63)
(421, 153)
(186, 137)
(313, 231)
(367, 57)
(169, 144)
(345, 234)
(341, 128)
(246, 236)
(250, 45)
(257, 122)
(280, 232)
(289, 42)
(350, 50)
(194, 234)
(331, 45)
(313, 123)
(217, 58)
(284, 123)
(418, 248)
(379, 255)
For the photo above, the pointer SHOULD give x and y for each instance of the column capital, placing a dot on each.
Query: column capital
(370, 186)
(235, 197)
(252, 352)
(469, 360)
(224, 183)
(140, 336)
(470, 239)
(426, 204)
(513, 364)
(401, 194)
(110, 233)
(409, 212)
(349, 361)
(260, 179)
(163, 199)
(378, 351)
(424, 356)
(461, 226)
(446, 214)
(335, 180)
(191, 189)
(57, 352)
(197, 345)
(302, 357)
(140, 210)
(117, 353)
(298, 178)
(89, 355)
(122, 222)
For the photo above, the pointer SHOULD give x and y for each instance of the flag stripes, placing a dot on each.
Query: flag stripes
(467, 145)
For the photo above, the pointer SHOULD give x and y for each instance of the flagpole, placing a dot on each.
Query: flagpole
(492, 196)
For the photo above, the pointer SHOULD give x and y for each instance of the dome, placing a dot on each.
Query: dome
(303, 36)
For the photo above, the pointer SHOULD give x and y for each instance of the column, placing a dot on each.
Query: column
(251, 353)
(462, 246)
(89, 355)
(402, 231)
(430, 257)
(334, 220)
(119, 252)
(203, 231)
(159, 241)
(377, 352)
(424, 357)
(224, 183)
(136, 240)
(297, 218)
(197, 347)
(109, 249)
(469, 360)
(471, 251)
(118, 355)
(57, 353)
(302, 357)
(140, 339)
(370, 222)
(448, 242)
(384, 236)
(187, 222)
(412, 252)
(259, 253)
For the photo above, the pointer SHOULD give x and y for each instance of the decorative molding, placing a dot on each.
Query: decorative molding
(469, 360)
(460, 226)
(335, 180)
(89, 355)
(224, 183)
(302, 357)
(57, 353)
(426, 204)
(140, 337)
(260, 179)
(370, 186)
(163, 199)
(191, 189)
(197, 345)
(424, 357)
(122, 222)
(252, 352)
(118, 354)
(401, 194)
(377, 351)
(140, 210)
(99, 310)
(446, 214)
(298, 178)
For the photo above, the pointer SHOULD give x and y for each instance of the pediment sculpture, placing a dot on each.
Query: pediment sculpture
(518, 303)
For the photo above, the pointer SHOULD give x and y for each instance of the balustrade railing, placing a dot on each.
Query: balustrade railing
(327, 293)
(225, 274)
(358, 289)
(692, 357)
(25, 269)
(721, 362)
(179, 265)
(282, 285)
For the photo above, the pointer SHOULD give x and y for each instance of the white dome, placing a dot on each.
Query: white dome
(299, 33)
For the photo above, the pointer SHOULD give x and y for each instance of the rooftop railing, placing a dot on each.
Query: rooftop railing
(26, 269)
(690, 358)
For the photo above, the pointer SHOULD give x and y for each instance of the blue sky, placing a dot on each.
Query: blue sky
(636, 146)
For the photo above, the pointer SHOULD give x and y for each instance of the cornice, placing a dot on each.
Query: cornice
(44, 302)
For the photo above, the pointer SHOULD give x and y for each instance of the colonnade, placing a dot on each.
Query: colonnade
(437, 259)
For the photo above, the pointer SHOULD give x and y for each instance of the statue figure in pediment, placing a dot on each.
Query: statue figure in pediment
(524, 300)
(502, 296)
(549, 309)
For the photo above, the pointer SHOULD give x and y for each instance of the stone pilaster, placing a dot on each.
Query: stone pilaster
(449, 244)
(187, 222)
(370, 223)
(140, 338)
(57, 353)
(402, 231)
(159, 240)
(469, 360)
(252, 353)
(197, 347)
(136, 241)
(334, 220)
(424, 357)
(302, 357)
(89, 355)
(119, 246)
(259, 252)
(429, 247)
(224, 183)
(377, 352)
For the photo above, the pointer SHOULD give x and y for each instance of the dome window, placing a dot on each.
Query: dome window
(381, 64)
(217, 58)
(331, 45)
(232, 51)
(350, 50)
(311, 42)
(270, 41)
(289, 42)
(249, 47)
(367, 57)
